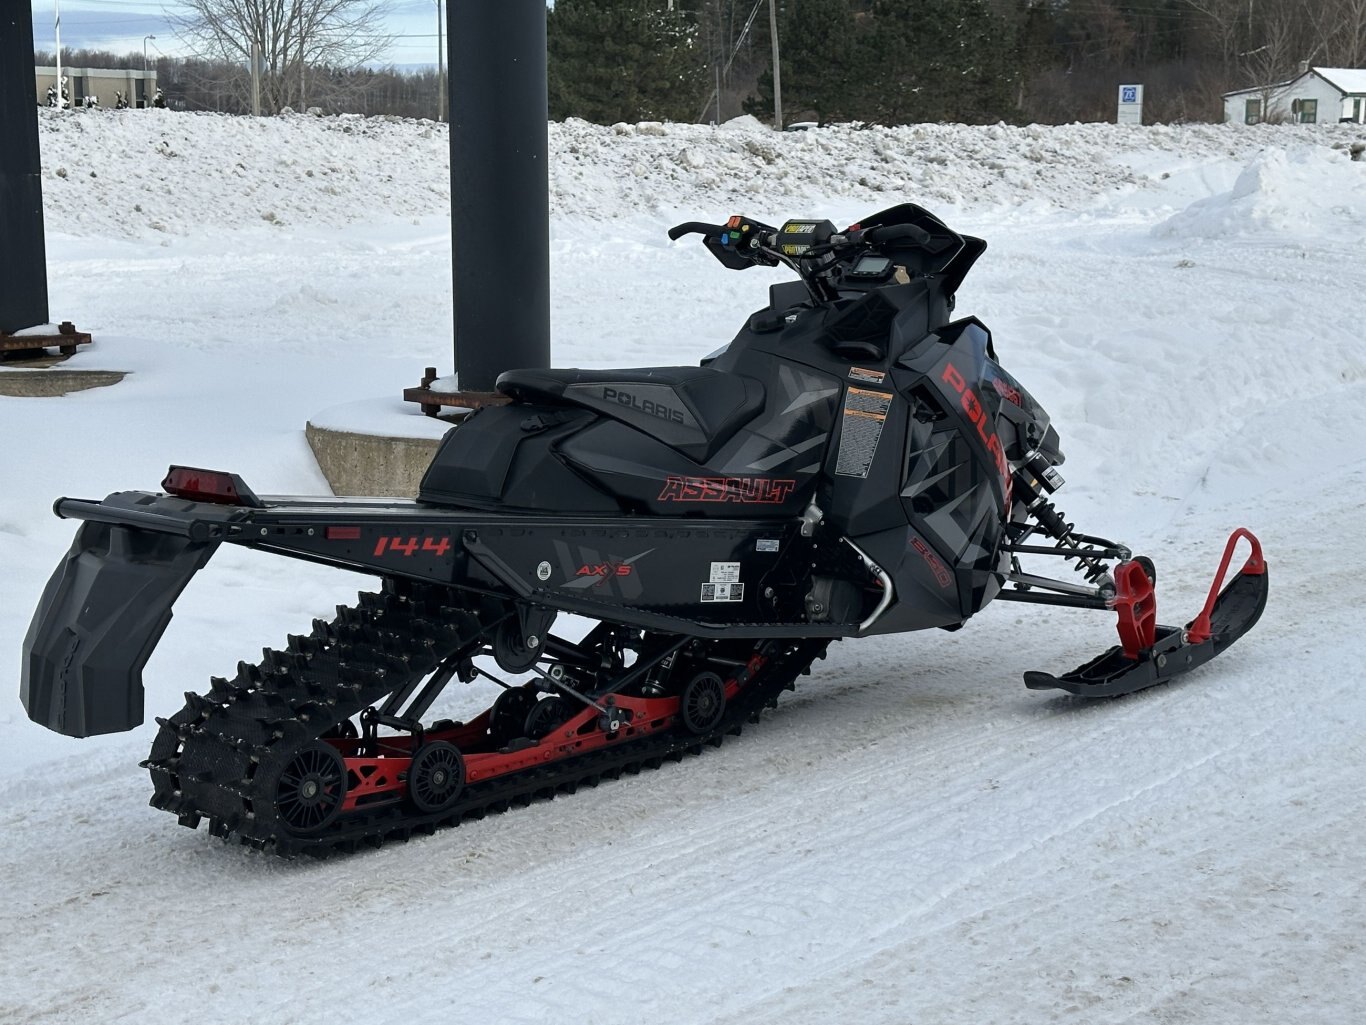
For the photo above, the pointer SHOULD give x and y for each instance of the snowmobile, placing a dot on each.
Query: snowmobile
(855, 462)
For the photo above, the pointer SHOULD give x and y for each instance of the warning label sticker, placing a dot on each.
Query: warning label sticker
(865, 413)
(723, 592)
(867, 376)
(725, 572)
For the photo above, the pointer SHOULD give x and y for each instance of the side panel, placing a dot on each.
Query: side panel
(956, 488)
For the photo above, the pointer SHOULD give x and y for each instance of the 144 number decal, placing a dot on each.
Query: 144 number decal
(410, 546)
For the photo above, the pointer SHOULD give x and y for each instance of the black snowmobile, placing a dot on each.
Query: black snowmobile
(854, 462)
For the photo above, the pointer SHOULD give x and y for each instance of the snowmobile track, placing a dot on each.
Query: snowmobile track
(220, 757)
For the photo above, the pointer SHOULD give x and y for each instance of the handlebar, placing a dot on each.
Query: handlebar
(694, 228)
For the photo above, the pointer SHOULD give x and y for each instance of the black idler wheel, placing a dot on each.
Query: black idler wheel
(510, 649)
(702, 703)
(507, 718)
(547, 714)
(311, 788)
(436, 776)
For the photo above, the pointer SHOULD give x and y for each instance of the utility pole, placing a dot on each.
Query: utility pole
(255, 78)
(440, 62)
(57, 31)
(23, 254)
(500, 192)
(777, 66)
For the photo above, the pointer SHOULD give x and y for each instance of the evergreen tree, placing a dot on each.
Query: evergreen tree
(623, 60)
(822, 62)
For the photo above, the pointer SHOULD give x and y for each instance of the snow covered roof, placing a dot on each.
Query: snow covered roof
(1349, 80)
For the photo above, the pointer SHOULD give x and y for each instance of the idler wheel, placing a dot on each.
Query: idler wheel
(702, 703)
(507, 718)
(511, 650)
(436, 776)
(545, 715)
(311, 788)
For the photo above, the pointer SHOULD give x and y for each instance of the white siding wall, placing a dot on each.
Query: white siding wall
(1310, 86)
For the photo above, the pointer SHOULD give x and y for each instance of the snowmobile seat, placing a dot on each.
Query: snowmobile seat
(694, 410)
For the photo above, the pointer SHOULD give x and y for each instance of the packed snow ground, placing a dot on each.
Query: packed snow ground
(912, 837)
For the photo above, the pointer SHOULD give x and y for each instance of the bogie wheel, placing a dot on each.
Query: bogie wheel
(1148, 567)
(702, 703)
(311, 788)
(436, 776)
(507, 719)
(545, 715)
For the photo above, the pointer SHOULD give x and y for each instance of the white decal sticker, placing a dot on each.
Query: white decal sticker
(766, 544)
(725, 572)
(723, 592)
(543, 571)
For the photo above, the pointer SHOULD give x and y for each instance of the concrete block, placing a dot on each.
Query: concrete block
(368, 464)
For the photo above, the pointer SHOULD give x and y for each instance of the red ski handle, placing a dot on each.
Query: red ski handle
(1199, 629)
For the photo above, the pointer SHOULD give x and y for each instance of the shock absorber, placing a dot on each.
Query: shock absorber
(1091, 554)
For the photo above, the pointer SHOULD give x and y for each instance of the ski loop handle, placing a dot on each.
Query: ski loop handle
(1199, 629)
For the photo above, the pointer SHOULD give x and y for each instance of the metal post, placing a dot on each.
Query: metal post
(255, 79)
(57, 31)
(500, 202)
(440, 61)
(777, 66)
(23, 253)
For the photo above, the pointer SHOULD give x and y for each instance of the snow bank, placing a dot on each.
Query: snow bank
(1305, 192)
(157, 173)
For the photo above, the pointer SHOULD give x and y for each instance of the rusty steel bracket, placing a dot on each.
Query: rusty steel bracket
(433, 402)
(65, 341)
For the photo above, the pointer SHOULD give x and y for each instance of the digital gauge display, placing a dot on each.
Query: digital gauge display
(870, 268)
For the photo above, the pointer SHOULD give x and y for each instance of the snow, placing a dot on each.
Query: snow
(912, 836)
(1348, 80)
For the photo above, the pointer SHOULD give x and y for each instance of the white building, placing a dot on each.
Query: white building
(1314, 96)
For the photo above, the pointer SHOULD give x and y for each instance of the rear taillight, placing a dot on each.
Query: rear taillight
(209, 486)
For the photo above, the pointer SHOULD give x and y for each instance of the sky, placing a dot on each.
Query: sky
(120, 25)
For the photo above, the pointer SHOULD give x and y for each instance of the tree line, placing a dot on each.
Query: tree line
(870, 61)
(901, 61)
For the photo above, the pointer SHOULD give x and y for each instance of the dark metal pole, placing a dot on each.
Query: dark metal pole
(500, 202)
(23, 254)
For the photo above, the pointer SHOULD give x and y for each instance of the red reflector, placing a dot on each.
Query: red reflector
(342, 533)
(209, 486)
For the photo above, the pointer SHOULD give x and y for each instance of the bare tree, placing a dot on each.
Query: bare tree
(293, 36)
(1340, 26)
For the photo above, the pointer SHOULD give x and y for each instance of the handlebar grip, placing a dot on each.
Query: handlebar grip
(892, 232)
(694, 228)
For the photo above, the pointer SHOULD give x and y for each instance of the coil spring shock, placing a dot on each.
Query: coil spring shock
(1051, 521)
(1032, 485)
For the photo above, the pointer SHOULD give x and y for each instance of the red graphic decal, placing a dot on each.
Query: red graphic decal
(605, 569)
(975, 411)
(410, 546)
(1007, 392)
(745, 490)
(941, 573)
